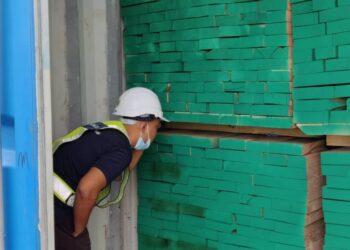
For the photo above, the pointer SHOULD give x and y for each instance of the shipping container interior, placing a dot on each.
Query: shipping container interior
(259, 98)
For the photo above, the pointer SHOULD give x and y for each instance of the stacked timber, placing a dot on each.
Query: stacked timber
(219, 191)
(212, 61)
(321, 32)
(336, 199)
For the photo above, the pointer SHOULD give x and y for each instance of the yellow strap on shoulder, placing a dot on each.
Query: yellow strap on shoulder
(73, 135)
(76, 133)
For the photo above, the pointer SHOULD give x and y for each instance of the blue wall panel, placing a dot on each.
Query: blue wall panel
(19, 126)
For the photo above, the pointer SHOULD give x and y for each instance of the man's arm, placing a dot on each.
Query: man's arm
(136, 156)
(85, 198)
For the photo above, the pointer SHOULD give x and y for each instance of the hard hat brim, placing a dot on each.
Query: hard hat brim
(163, 119)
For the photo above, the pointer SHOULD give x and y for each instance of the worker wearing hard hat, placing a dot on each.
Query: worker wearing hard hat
(90, 157)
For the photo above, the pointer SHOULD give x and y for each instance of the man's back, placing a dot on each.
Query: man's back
(108, 150)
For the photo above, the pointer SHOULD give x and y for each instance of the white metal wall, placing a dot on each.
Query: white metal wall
(43, 93)
(87, 78)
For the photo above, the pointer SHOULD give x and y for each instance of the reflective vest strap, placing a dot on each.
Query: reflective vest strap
(120, 195)
(117, 125)
(75, 134)
(67, 196)
(61, 189)
(78, 132)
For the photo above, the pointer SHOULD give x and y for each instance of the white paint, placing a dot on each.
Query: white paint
(113, 240)
(93, 60)
(129, 215)
(59, 84)
(43, 93)
(8, 157)
(94, 91)
(130, 204)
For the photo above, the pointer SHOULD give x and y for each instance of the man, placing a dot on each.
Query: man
(90, 157)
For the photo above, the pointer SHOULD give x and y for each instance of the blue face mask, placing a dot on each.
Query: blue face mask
(141, 144)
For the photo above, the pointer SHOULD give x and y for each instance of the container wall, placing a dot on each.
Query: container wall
(19, 127)
(87, 78)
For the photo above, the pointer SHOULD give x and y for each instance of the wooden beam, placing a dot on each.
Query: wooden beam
(338, 140)
(294, 132)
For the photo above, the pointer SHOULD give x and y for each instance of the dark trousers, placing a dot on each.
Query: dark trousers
(64, 239)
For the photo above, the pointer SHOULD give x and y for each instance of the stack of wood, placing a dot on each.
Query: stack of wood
(224, 191)
(321, 34)
(336, 199)
(212, 62)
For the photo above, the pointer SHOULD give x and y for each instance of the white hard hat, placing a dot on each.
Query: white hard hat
(139, 104)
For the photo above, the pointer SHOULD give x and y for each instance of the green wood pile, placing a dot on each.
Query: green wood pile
(212, 61)
(336, 199)
(210, 191)
(321, 33)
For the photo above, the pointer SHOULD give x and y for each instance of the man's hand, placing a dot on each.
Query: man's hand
(76, 234)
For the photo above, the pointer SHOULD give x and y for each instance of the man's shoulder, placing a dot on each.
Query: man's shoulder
(112, 136)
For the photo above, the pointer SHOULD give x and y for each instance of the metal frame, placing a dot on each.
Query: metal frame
(43, 92)
(130, 204)
(20, 176)
(92, 32)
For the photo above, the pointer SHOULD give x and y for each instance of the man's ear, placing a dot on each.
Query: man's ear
(142, 125)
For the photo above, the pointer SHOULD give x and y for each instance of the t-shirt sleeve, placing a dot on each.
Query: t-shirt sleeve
(116, 158)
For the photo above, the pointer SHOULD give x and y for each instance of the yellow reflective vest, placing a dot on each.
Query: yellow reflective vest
(63, 191)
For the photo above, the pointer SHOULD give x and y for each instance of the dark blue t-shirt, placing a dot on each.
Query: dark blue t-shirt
(109, 150)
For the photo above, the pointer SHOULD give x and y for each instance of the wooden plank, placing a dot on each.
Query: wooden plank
(314, 188)
(314, 205)
(313, 147)
(313, 217)
(314, 235)
(338, 140)
(313, 163)
(293, 132)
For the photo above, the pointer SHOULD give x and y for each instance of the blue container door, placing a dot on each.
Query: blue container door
(19, 126)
